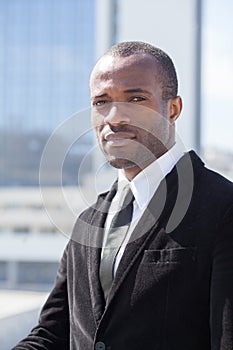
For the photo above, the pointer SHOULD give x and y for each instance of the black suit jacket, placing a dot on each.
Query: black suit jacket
(173, 289)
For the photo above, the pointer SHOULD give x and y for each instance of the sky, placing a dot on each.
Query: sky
(217, 74)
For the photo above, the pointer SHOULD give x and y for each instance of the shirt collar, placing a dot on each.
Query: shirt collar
(147, 181)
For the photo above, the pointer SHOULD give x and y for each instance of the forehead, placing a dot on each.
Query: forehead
(140, 69)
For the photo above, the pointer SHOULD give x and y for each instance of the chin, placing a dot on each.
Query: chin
(121, 163)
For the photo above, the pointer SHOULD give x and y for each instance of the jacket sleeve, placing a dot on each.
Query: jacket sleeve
(52, 331)
(221, 298)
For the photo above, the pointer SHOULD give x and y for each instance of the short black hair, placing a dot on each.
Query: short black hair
(167, 72)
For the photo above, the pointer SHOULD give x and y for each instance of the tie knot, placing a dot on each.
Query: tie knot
(125, 196)
(124, 207)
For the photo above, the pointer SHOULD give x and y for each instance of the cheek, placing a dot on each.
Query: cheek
(148, 119)
(96, 119)
(151, 133)
(96, 124)
(97, 134)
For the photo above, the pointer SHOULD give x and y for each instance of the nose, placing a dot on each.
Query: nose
(118, 113)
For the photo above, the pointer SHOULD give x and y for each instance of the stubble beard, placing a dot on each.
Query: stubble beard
(144, 150)
(121, 163)
(143, 155)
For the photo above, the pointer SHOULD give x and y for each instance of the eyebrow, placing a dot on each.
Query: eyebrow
(100, 96)
(136, 90)
(128, 91)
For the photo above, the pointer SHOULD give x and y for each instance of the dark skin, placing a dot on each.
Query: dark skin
(133, 124)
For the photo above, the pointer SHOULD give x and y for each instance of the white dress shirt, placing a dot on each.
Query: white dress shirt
(143, 186)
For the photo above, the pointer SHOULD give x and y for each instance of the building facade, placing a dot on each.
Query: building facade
(47, 52)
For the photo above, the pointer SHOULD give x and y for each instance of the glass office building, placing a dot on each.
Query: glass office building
(46, 54)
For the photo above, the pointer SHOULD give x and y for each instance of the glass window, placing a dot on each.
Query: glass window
(36, 272)
(3, 270)
(47, 53)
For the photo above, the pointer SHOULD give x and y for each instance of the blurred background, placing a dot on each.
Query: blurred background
(48, 156)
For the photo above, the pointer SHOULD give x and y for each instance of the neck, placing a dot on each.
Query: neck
(133, 171)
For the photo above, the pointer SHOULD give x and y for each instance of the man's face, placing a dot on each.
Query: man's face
(131, 121)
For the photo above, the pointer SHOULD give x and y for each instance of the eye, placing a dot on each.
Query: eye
(99, 103)
(137, 99)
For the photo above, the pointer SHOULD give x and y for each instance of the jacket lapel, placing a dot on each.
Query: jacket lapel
(95, 234)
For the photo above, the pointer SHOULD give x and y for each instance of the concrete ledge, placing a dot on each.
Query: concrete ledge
(19, 313)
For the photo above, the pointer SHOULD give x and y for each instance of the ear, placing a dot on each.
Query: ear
(174, 108)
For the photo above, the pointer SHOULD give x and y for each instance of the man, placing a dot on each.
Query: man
(169, 284)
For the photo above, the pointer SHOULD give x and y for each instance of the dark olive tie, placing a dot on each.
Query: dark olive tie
(115, 236)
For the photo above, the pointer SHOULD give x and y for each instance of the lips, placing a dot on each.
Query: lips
(119, 136)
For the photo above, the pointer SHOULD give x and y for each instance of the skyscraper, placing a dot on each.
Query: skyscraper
(47, 52)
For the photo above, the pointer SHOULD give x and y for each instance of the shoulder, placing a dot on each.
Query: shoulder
(214, 182)
(93, 217)
(211, 190)
(88, 213)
